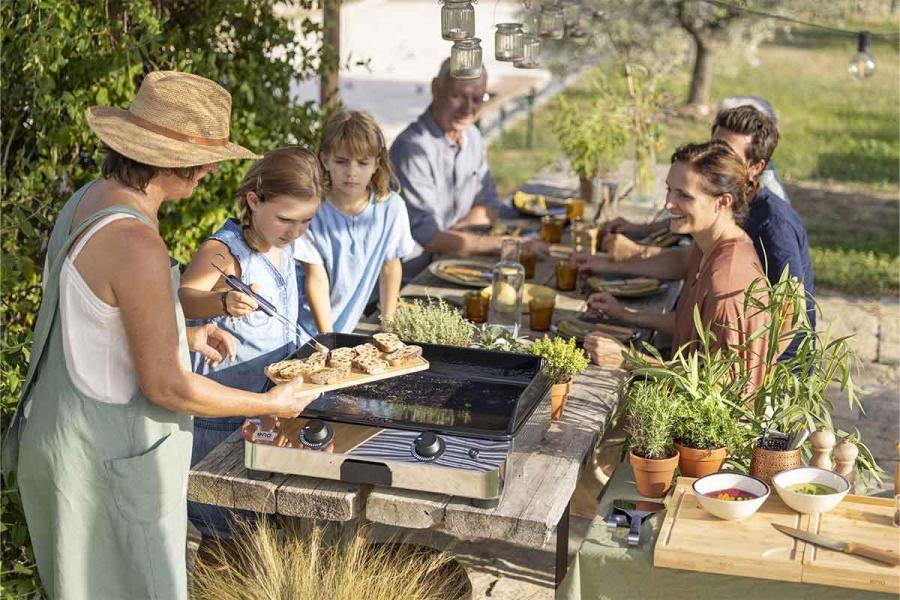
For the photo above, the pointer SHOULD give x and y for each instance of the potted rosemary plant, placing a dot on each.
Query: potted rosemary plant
(649, 418)
(565, 360)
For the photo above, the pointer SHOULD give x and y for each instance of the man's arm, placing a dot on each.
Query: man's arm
(479, 215)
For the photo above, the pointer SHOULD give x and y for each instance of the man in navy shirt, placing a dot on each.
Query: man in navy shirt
(774, 226)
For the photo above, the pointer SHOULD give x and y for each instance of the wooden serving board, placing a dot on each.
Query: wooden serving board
(357, 377)
(693, 539)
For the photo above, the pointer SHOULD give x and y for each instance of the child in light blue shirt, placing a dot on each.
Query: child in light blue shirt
(359, 235)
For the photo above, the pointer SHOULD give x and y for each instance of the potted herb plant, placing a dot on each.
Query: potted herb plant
(792, 399)
(594, 138)
(432, 321)
(649, 418)
(705, 384)
(564, 361)
(705, 430)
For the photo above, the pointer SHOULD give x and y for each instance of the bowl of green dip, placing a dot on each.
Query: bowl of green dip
(810, 489)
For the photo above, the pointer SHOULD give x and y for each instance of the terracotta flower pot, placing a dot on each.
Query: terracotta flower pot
(559, 393)
(697, 462)
(767, 463)
(653, 476)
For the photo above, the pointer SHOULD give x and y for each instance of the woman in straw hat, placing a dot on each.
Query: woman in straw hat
(102, 434)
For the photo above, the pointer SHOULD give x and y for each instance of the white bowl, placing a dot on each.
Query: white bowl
(730, 510)
(807, 503)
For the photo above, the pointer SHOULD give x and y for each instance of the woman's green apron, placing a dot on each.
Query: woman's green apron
(103, 485)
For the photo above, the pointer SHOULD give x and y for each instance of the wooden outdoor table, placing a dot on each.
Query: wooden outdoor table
(540, 478)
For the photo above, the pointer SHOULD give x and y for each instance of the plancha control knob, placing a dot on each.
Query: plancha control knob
(428, 445)
(316, 434)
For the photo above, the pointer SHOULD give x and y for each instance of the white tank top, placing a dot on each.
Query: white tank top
(94, 342)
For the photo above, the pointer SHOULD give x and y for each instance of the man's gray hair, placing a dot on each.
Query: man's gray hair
(760, 104)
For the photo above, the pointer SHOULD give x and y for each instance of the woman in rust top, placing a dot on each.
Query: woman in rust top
(709, 188)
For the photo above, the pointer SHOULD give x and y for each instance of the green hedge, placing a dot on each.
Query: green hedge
(62, 56)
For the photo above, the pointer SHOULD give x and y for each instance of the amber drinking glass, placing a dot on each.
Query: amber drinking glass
(566, 276)
(575, 209)
(528, 260)
(551, 229)
(476, 306)
(540, 312)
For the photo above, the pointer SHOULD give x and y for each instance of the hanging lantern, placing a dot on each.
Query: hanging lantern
(551, 23)
(457, 20)
(571, 10)
(531, 48)
(465, 59)
(508, 42)
(862, 65)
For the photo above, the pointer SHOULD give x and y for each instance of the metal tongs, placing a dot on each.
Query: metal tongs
(267, 307)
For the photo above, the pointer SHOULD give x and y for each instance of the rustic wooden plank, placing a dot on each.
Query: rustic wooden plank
(314, 498)
(221, 479)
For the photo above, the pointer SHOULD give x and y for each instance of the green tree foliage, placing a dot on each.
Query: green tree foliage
(59, 58)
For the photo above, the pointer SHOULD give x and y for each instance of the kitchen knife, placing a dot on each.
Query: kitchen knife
(885, 556)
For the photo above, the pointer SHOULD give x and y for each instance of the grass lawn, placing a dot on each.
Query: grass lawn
(839, 150)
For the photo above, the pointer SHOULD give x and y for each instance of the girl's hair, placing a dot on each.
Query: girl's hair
(290, 171)
(721, 171)
(357, 134)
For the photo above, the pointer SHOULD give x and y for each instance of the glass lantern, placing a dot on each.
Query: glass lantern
(457, 20)
(508, 42)
(551, 23)
(531, 47)
(465, 59)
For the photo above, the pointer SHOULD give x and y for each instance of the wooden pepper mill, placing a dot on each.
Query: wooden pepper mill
(822, 442)
(845, 455)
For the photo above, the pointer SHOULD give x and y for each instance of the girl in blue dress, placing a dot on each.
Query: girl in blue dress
(277, 199)
(360, 234)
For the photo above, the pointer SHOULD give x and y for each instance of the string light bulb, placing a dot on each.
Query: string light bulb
(862, 65)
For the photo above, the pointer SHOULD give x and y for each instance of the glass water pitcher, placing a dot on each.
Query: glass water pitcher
(507, 285)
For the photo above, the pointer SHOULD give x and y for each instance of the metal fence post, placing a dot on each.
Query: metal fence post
(529, 137)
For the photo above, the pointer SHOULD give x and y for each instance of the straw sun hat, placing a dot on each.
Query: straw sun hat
(175, 120)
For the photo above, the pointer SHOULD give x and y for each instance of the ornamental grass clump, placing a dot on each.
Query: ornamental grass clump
(297, 562)
(430, 321)
(650, 416)
(564, 358)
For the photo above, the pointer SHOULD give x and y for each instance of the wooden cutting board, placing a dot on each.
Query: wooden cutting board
(357, 377)
(693, 539)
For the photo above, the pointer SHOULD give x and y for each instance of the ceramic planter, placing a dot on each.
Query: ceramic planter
(696, 462)
(559, 393)
(653, 476)
(767, 463)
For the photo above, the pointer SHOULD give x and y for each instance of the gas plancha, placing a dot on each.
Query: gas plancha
(447, 430)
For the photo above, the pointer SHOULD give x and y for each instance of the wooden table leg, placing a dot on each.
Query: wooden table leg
(562, 546)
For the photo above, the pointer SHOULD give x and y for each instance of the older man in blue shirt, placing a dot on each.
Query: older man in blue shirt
(441, 162)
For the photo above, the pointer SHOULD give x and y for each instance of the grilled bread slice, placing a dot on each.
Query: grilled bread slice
(367, 349)
(288, 370)
(370, 364)
(340, 355)
(406, 355)
(329, 375)
(387, 342)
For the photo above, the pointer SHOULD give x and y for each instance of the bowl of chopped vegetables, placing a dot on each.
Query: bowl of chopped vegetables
(811, 489)
(729, 495)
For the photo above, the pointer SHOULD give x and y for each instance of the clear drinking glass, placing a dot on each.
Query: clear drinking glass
(457, 20)
(507, 285)
(508, 42)
(465, 59)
